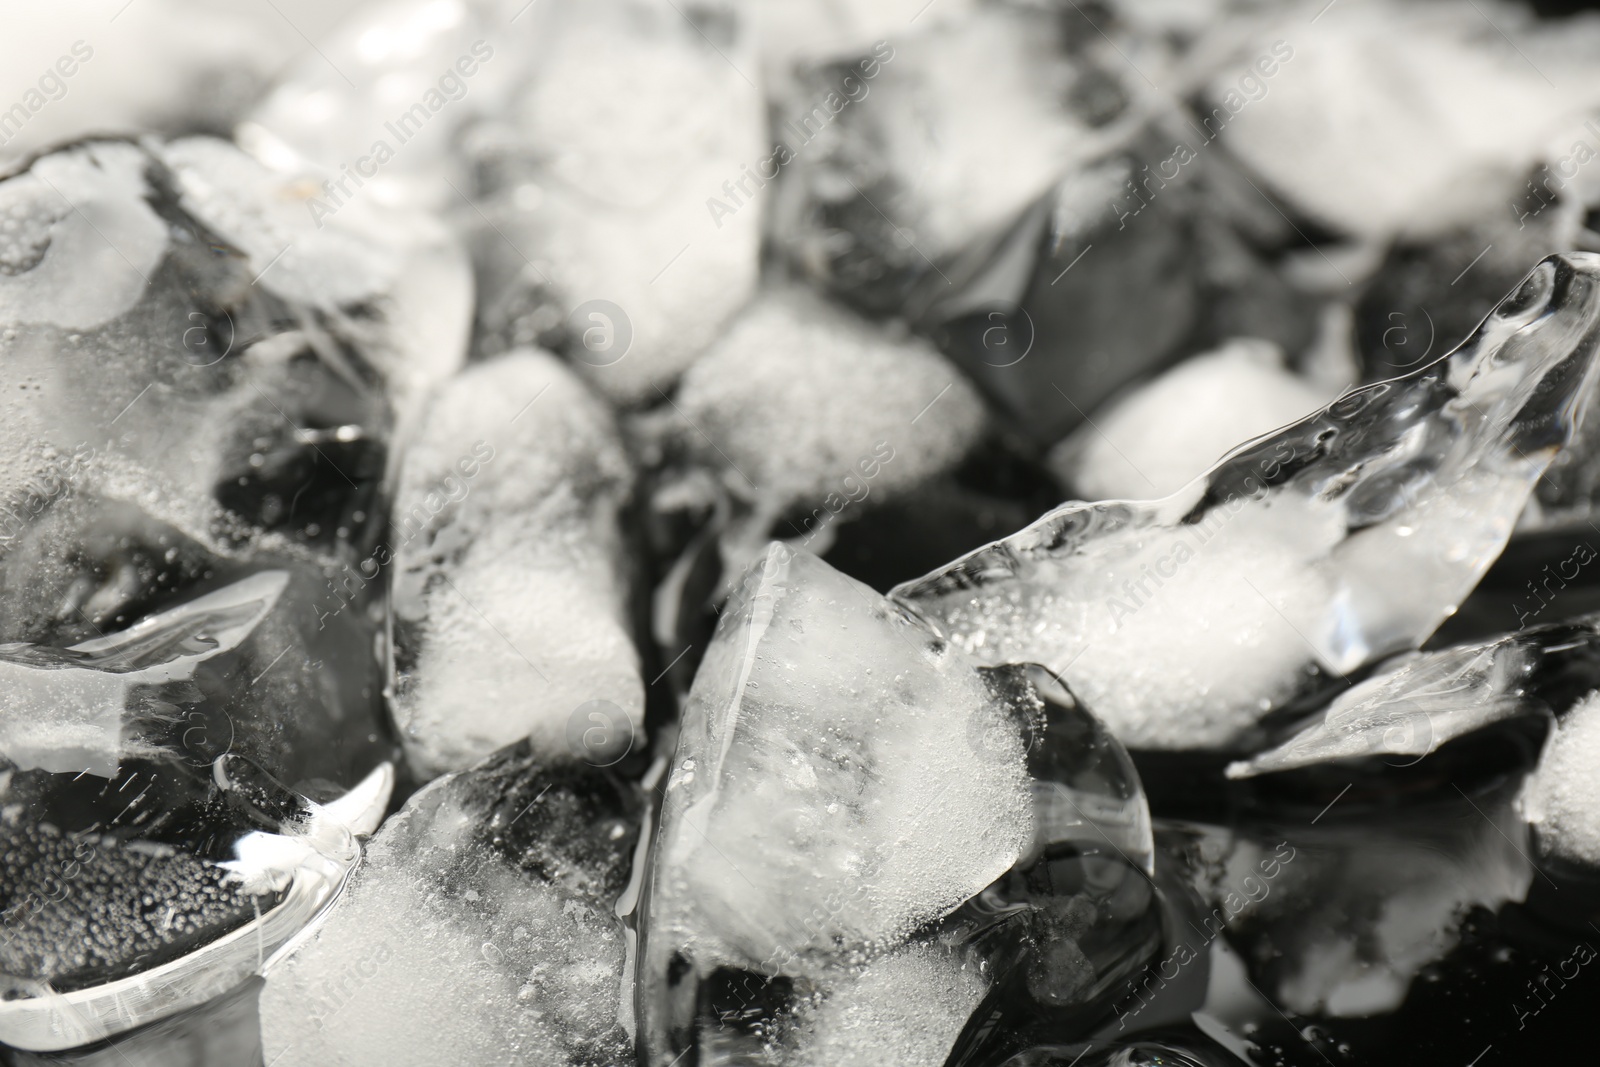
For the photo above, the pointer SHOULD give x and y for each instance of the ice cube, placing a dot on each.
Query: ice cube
(1156, 440)
(511, 587)
(601, 157)
(842, 779)
(802, 406)
(1404, 120)
(1345, 537)
(877, 196)
(479, 929)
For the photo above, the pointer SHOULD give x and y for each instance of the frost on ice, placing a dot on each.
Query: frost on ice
(1342, 538)
(479, 929)
(842, 779)
(511, 587)
(872, 849)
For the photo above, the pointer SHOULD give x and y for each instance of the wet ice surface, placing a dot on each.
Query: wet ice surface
(806, 894)
(508, 503)
(573, 145)
(197, 421)
(479, 929)
(1350, 534)
(252, 502)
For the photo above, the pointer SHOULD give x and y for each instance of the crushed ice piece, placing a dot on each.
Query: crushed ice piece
(511, 584)
(599, 156)
(478, 929)
(624, 191)
(1561, 799)
(802, 405)
(1356, 911)
(1406, 120)
(62, 710)
(1410, 708)
(1345, 537)
(896, 160)
(1156, 440)
(893, 775)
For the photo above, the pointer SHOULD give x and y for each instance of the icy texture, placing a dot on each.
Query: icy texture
(1155, 441)
(1357, 911)
(599, 187)
(842, 779)
(170, 66)
(1345, 537)
(479, 929)
(1561, 799)
(511, 584)
(62, 710)
(922, 144)
(905, 1008)
(1395, 119)
(199, 390)
(1412, 707)
(329, 112)
(576, 144)
(802, 406)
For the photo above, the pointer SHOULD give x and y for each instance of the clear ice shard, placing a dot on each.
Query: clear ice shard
(1414, 706)
(200, 387)
(1345, 537)
(862, 832)
(480, 928)
(574, 144)
(510, 600)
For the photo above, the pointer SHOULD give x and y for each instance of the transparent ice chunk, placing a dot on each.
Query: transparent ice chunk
(881, 195)
(1342, 538)
(598, 156)
(62, 710)
(200, 387)
(511, 584)
(479, 929)
(951, 842)
(618, 215)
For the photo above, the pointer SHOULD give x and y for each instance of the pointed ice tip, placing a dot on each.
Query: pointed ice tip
(1330, 543)
(361, 809)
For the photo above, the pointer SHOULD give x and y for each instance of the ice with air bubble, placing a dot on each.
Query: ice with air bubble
(1342, 538)
(200, 391)
(843, 779)
(573, 145)
(805, 409)
(509, 502)
(480, 928)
